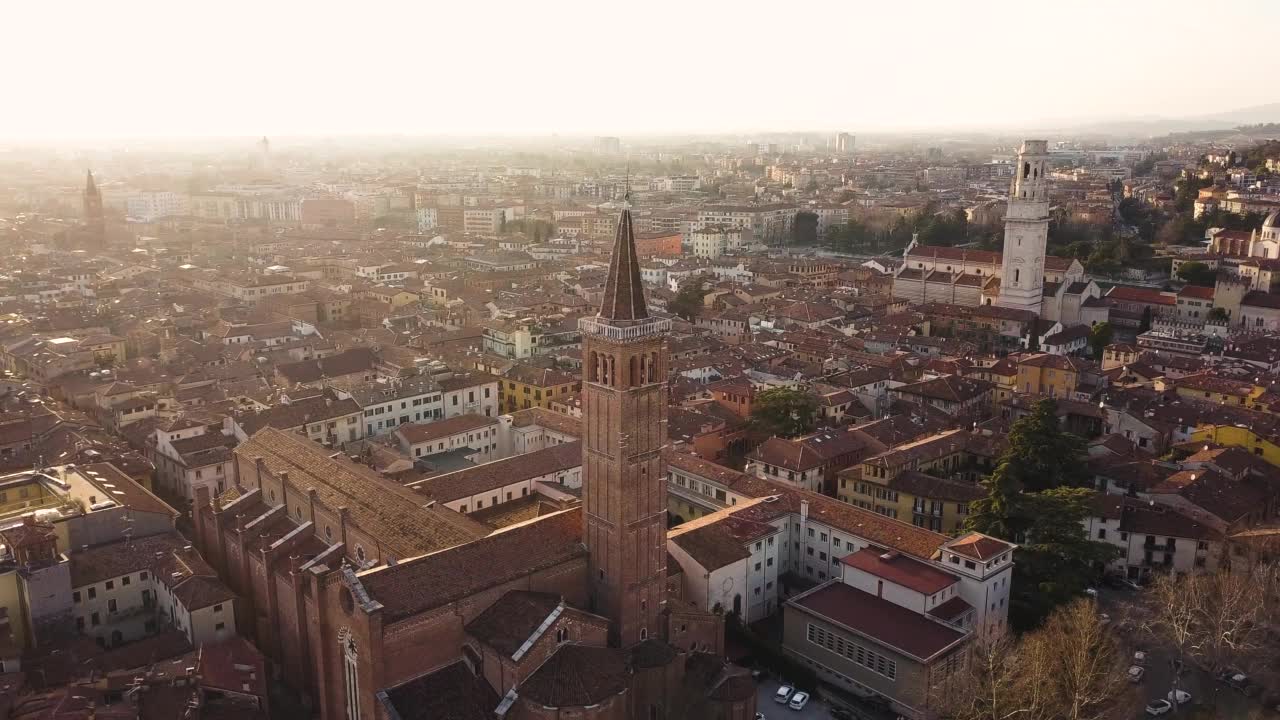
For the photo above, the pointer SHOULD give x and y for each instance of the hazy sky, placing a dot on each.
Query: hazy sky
(277, 67)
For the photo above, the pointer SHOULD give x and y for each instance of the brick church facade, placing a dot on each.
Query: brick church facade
(374, 603)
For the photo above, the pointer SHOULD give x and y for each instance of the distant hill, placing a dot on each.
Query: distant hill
(1151, 126)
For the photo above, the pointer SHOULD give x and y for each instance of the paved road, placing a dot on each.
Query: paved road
(1206, 692)
(815, 710)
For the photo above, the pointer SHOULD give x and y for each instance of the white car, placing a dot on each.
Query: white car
(784, 694)
(1156, 708)
(798, 701)
(760, 716)
(1139, 658)
(1135, 673)
(1183, 697)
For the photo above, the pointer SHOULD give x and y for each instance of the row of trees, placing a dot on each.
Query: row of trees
(933, 228)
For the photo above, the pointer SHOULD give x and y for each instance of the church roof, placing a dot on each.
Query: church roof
(623, 293)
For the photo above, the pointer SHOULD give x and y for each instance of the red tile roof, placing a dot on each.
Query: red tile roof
(430, 581)
(880, 620)
(978, 546)
(900, 569)
(414, 433)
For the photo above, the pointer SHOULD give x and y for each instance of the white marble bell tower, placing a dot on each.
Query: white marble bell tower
(1026, 230)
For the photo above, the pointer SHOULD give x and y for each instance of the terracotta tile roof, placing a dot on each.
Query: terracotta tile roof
(297, 413)
(736, 481)
(720, 542)
(430, 581)
(450, 693)
(493, 475)
(124, 489)
(390, 513)
(508, 623)
(1141, 295)
(922, 450)
(978, 546)
(949, 388)
(28, 533)
(549, 419)
(189, 578)
(348, 362)
(578, 676)
(900, 569)
(923, 485)
(539, 377)
(890, 625)
(414, 433)
(1196, 292)
(951, 609)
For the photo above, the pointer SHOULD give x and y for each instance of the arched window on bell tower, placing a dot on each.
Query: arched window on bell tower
(593, 367)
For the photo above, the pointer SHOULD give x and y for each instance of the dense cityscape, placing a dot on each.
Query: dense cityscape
(968, 424)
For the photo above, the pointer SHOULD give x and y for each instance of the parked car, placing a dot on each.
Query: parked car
(784, 694)
(760, 716)
(1140, 658)
(798, 701)
(1156, 708)
(1135, 673)
(1182, 696)
(1091, 592)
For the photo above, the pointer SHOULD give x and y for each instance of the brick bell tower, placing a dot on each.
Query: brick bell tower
(624, 491)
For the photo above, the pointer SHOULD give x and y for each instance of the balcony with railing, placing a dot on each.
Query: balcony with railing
(625, 333)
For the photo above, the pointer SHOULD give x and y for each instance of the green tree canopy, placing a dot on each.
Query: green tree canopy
(1041, 455)
(784, 411)
(688, 301)
(1036, 498)
(1197, 273)
(1100, 336)
(804, 229)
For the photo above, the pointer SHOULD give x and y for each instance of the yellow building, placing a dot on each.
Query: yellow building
(913, 483)
(394, 297)
(105, 348)
(1003, 374)
(1258, 441)
(523, 387)
(1056, 376)
(1207, 387)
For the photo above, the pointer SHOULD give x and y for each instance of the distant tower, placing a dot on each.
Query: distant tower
(842, 143)
(625, 420)
(1026, 230)
(264, 153)
(94, 221)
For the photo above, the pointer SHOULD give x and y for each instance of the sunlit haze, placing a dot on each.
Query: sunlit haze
(241, 67)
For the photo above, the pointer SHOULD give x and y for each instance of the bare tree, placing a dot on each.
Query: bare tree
(1079, 659)
(993, 685)
(1072, 668)
(1217, 620)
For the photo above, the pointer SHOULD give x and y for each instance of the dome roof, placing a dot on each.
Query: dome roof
(1273, 220)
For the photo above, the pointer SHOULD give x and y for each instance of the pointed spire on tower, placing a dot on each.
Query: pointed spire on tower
(89, 186)
(623, 293)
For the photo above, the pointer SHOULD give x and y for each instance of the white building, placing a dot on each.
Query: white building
(1026, 230)
(712, 241)
(152, 206)
(768, 223)
(475, 436)
(130, 589)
